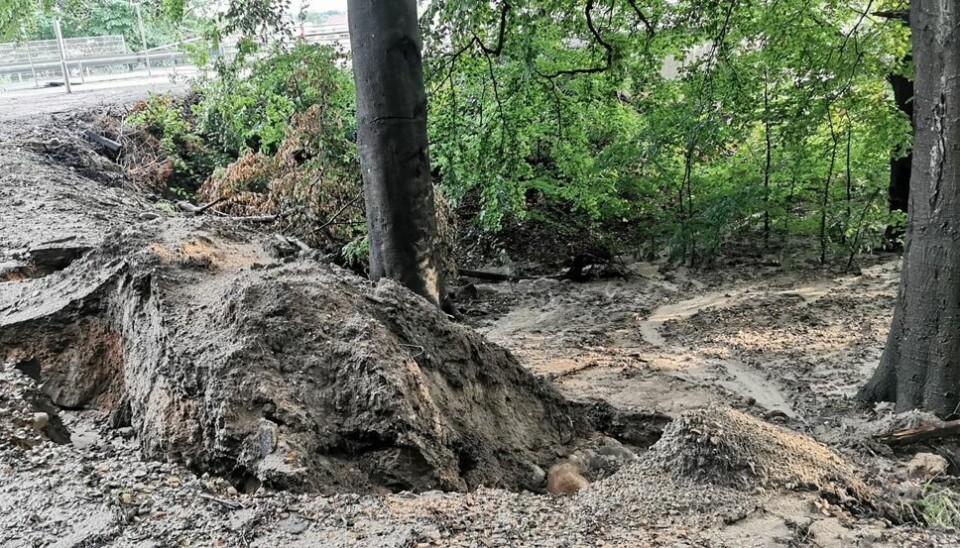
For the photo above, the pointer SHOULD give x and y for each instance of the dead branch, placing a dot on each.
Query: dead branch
(229, 504)
(923, 433)
(109, 144)
(204, 208)
(342, 209)
(255, 219)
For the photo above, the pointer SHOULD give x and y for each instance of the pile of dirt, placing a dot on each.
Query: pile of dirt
(295, 374)
(723, 446)
(263, 368)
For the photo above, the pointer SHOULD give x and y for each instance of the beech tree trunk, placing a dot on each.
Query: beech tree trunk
(392, 118)
(920, 367)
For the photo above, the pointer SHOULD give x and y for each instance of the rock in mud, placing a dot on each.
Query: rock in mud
(925, 466)
(566, 477)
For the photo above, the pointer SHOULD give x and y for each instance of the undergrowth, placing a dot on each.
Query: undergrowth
(583, 166)
(940, 507)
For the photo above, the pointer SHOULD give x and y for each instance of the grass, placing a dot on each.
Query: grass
(940, 507)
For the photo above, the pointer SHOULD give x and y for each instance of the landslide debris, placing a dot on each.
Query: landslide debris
(723, 446)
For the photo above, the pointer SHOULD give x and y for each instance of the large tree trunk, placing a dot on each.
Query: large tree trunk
(920, 367)
(392, 116)
(900, 167)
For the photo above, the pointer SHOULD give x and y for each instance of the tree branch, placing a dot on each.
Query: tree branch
(476, 41)
(903, 15)
(643, 18)
(588, 11)
(504, 8)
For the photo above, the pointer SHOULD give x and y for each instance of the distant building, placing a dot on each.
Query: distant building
(333, 32)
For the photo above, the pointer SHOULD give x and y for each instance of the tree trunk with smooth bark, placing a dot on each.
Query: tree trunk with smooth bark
(394, 158)
(920, 367)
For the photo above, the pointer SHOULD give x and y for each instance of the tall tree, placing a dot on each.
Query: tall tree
(392, 135)
(920, 367)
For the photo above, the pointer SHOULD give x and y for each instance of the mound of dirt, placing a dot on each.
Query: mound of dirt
(723, 446)
(299, 375)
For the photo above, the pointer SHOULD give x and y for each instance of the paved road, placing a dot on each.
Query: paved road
(35, 102)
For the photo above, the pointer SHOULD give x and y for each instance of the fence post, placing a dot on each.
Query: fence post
(33, 70)
(63, 54)
(143, 39)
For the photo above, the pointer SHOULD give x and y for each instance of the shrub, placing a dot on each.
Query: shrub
(248, 107)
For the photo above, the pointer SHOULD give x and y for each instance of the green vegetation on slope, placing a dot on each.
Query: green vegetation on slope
(773, 132)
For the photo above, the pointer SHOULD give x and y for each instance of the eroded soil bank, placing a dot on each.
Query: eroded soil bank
(169, 379)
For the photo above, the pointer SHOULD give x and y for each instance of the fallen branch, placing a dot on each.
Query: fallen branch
(923, 433)
(254, 219)
(184, 205)
(109, 144)
(227, 503)
(491, 276)
(574, 371)
(342, 209)
(200, 210)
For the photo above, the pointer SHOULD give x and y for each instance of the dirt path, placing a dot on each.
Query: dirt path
(36, 105)
(795, 343)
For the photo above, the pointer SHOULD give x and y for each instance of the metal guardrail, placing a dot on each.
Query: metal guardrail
(82, 54)
(12, 53)
(72, 57)
(90, 62)
(43, 59)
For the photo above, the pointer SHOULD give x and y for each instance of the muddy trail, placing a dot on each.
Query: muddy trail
(172, 379)
(793, 344)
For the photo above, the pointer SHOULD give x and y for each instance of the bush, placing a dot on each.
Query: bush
(248, 107)
(290, 120)
(165, 152)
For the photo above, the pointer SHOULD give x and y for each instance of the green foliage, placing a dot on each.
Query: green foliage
(590, 108)
(248, 106)
(171, 123)
(940, 507)
(692, 123)
(357, 253)
(111, 17)
(15, 15)
(288, 118)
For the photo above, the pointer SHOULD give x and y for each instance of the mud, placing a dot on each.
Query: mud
(213, 395)
(299, 376)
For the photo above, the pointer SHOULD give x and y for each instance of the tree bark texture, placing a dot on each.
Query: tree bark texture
(392, 135)
(920, 367)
